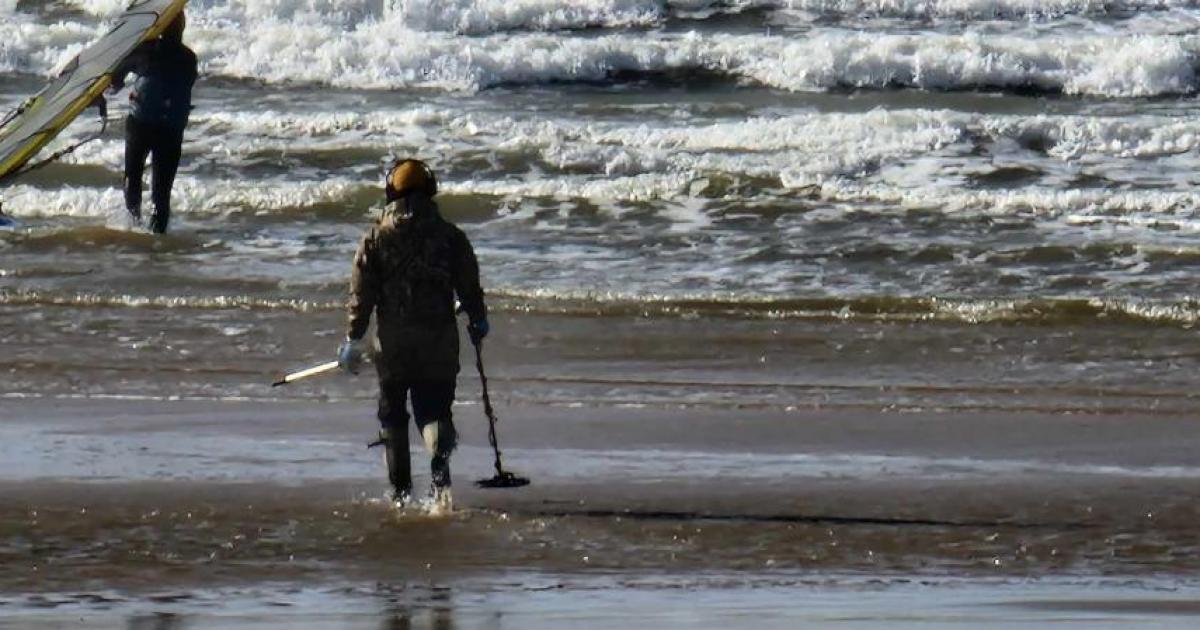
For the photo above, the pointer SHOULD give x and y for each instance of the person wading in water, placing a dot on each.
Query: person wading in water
(408, 271)
(160, 103)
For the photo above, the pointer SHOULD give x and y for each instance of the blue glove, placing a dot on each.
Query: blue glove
(350, 355)
(478, 330)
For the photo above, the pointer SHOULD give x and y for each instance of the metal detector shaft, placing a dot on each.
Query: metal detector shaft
(487, 408)
(312, 371)
(503, 479)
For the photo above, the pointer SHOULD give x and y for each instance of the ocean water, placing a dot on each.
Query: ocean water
(866, 312)
(645, 150)
(969, 204)
(944, 175)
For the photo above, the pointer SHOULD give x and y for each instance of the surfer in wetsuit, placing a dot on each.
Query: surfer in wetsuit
(160, 103)
(408, 270)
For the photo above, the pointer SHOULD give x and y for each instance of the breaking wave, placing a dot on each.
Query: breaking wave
(1156, 211)
(416, 45)
(380, 58)
(189, 195)
(964, 9)
(833, 157)
(488, 16)
(876, 134)
(829, 144)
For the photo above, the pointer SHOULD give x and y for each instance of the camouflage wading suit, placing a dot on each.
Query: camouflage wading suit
(408, 270)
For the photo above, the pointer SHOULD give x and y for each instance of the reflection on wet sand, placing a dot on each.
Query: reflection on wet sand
(404, 618)
(158, 621)
(665, 600)
(60, 537)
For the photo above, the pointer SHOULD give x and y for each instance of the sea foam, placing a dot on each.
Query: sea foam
(348, 47)
(1061, 136)
(190, 195)
(970, 9)
(490, 16)
(878, 153)
(486, 16)
(377, 56)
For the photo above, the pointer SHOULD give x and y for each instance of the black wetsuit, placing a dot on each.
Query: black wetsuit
(161, 102)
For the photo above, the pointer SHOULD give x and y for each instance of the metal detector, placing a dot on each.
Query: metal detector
(502, 478)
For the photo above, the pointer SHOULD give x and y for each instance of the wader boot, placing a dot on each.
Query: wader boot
(440, 439)
(395, 454)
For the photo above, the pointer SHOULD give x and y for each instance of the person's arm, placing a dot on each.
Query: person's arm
(363, 296)
(135, 63)
(364, 290)
(468, 288)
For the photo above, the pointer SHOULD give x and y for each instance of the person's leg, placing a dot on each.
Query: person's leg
(393, 420)
(168, 148)
(137, 147)
(432, 404)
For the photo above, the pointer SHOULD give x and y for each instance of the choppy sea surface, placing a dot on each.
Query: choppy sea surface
(911, 182)
(1021, 159)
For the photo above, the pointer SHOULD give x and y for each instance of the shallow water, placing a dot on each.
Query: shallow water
(831, 312)
(144, 495)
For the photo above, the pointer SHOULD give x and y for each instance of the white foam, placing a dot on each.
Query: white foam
(1100, 205)
(347, 45)
(256, 9)
(905, 157)
(1108, 66)
(633, 188)
(321, 124)
(879, 132)
(818, 147)
(968, 9)
(826, 145)
(377, 56)
(190, 195)
(624, 157)
(489, 16)
(485, 16)
(1147, 209)
(1076, 137)
(102, 8)
(120, 219)
(616, 148)
(28, 47)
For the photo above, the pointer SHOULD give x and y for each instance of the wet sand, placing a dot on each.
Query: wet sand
(264, 514)
(613, 602)
(687, 472)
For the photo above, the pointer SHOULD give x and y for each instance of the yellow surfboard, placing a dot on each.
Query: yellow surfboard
(77, 86)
